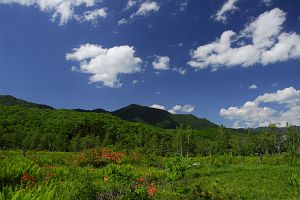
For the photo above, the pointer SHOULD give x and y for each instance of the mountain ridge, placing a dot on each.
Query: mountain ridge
(8, 100)
(133, 113)
(161, 118)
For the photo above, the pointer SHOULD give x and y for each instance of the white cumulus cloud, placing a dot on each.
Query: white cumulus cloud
(184, 108)
(122, 21)
(253, 87)
(269, 44)
(105, 64)
(64, 10)
(130, 4)
(288, 96)
(94, 14)
(253, 114)
(146, 8)
(229, 6)
(158, 107)
(176, 108)
(161, 63)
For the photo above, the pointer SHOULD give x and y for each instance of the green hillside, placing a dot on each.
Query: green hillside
(144, 114)
(68, 130)
(64, 130)
(7, 100)
(132, 113)
(195, 122)
(161, 118)
(98, 110)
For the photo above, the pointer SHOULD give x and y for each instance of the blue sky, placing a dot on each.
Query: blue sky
(185, 56)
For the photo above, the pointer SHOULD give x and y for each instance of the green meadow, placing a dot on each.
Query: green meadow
(107, 174)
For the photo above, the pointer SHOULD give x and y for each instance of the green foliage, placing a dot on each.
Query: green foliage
(13, 168)
(177, 169)
(238, 178)
(6, 100)
(138, 193)
(193, 121)
(67, 130)
(161, 118)
(63, 130)
(294, 184)
(120, 173)
(139, 163)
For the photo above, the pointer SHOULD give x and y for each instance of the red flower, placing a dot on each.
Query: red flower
(141, 179)
(27, 178)
(151, 189)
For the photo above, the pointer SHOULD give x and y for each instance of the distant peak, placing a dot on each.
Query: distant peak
(8, 100)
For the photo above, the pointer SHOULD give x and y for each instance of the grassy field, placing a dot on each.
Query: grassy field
(104, 174)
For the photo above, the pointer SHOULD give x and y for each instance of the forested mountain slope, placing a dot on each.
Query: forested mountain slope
(7, 100)
(161, 118)
(63, 130)
(133, 113)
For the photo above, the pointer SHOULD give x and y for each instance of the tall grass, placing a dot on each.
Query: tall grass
(59, 176)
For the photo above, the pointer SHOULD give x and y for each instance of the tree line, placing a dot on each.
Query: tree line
(67, 130)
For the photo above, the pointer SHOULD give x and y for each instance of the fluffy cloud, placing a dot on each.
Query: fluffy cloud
(158, 107)
(288, 96)
(253, 87)
(122, 21)
(176, 108)
(229, 6)
(185, 108)
(94, 14)
(130, 4)
(268, 45)
(161, 63)
(287, 47)
(253, 114)
(62, 9)
(146, 8)
(105, 64)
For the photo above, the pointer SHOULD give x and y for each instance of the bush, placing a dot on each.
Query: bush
(100, 157)
(177, 169)
(120, 173)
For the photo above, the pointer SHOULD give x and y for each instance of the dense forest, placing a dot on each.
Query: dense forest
(68, 130)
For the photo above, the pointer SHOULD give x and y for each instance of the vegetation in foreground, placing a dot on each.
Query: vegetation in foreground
(107, 174)
(66, 154)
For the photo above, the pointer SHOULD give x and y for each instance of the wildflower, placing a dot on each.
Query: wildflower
(105, 178)
(25, 177)
(151, 189)
(141, 179)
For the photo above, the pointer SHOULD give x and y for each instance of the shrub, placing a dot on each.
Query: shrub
(120, 173)
(100, 157)
(177, 169)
